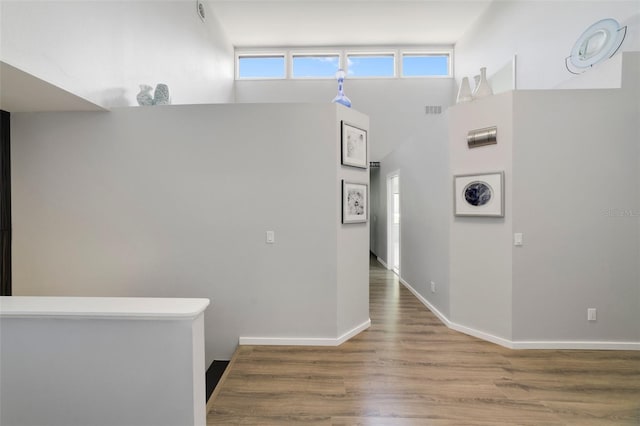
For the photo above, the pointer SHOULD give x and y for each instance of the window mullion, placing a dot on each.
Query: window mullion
(316, 63)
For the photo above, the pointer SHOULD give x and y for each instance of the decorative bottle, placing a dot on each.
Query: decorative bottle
(161, 95)
(483, 89)
(144, 97)
(476, 82)
(341, 98)
(464, 92)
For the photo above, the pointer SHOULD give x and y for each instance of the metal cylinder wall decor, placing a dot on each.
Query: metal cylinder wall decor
(481, 137)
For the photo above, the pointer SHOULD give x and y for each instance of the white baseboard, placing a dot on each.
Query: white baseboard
(305, 341)
(353, 332)
(383, 263)
(617, 346)
(521, 344)
(426, 303)
(482, 335)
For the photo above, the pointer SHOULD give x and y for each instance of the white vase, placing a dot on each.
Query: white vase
(161, 95)
(483, 89)
(476, 82)
(144, 97)
(464, 92)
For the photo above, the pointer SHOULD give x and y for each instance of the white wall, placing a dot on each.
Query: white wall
(542, 34)
(352, 248)
(175, 201)
(102, 50)
(422, 162)
(480, 247)
(572, 182)
(402, 137)
(89, 371)
(570, 260)
(576, 201)
(394, 106)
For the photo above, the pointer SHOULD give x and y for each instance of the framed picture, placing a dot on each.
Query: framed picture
(354, 146)
(354, 202)
(479, 195)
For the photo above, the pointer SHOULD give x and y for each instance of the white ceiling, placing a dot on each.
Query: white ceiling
(263, 23)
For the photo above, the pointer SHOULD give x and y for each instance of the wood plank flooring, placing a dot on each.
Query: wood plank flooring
(409, 369)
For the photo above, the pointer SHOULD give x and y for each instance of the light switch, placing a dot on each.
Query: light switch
(271, 237)
(517, 239)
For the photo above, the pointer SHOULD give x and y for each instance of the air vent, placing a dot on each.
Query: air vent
(433, 109)
(374, 164)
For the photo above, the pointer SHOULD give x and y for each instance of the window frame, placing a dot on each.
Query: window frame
(426, 52)
(312, 53)
(343, 54)
(372, 52)
(257, 54)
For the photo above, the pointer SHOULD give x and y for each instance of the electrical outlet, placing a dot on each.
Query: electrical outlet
(591, 314)
(433, 287)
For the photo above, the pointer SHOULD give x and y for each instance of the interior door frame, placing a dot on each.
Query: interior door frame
(391, 260)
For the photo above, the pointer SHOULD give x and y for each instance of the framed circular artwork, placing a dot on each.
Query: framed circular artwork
(479, 194)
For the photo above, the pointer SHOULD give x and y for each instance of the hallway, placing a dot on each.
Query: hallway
(410, 369)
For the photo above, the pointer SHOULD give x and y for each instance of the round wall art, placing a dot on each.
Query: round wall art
(479, 194)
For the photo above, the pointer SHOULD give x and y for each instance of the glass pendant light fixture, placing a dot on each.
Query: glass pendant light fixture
(341, 98)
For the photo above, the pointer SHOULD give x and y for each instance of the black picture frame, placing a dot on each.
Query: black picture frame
(353, 141)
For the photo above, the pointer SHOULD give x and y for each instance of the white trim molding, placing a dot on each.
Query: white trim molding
(353, 332)
(521, 344)
(383, 263)
(305, 341)
(426, 303)
(552, 344)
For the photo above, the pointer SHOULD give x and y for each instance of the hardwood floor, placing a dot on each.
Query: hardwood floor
(410, 369)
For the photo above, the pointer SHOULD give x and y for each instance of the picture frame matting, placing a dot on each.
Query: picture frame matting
(479, 194)
(353, 142)
(355, 202)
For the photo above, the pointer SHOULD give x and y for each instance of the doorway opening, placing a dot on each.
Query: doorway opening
(5, 204)
(393, 221)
